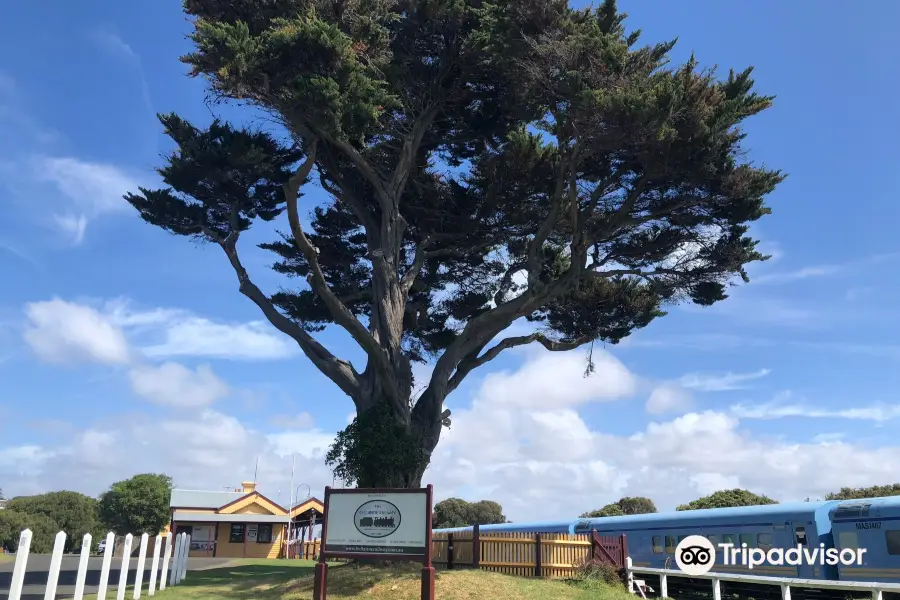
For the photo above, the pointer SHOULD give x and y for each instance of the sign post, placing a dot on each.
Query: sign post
(388, 524)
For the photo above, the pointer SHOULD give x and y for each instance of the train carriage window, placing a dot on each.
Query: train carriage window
(764, 540)
(892, 537)
(728, 538)
(747, 538)
(800, 536)
(670, 544)
(713, 539)
(657, 544)
(681, 538)
(848, 539)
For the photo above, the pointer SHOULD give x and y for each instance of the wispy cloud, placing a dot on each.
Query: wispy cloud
(778, 409)
(721, 382)
(92, 190)
(798, 275)
(817, 271)
(113, 43)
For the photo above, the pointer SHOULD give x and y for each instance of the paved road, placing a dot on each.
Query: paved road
(39, 565)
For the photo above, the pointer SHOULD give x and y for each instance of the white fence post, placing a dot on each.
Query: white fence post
(785, 592)
(18, 577)
(104, 570)
(629, 576)
(176, 555)
(154, 566)
(139, 574)
(123, 570)
(664, 586)
(86, 542)
(187, 552)
(163, 575)
(59, 545)
(876, 595)
(717, 589)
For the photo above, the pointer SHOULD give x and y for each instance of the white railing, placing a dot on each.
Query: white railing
(178, 560)
(786, 583)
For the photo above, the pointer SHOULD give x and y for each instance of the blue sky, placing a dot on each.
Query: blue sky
(123, 349)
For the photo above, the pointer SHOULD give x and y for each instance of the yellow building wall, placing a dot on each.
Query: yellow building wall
(253, 509)
(227, 549)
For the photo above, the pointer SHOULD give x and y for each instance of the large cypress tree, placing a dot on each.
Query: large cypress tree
(483, 161)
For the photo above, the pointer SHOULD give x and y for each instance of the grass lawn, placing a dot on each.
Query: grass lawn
(293, 580)
(4, 557)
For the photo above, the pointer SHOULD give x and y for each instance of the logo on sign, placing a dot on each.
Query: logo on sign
(377, 519)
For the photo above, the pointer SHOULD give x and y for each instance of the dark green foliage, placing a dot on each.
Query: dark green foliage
(376, 451)
(876, 491)
(636, 505)
(624, 506)
(726, 499)
(43, 530)
(593, 183)
(74, 513)
(138, 505)
(455, 512)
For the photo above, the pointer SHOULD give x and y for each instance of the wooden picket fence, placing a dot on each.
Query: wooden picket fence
(550, 555)
(177, 556)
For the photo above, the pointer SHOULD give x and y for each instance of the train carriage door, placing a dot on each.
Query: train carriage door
(799, 536)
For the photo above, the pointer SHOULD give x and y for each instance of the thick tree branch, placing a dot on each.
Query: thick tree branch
(408, 153)
(566, 167)
(340, 312)
(339, 371)
(359, 161)
(468, 365)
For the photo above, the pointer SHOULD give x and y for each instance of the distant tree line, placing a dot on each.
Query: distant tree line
(732, 498)
(137, 505)
(455, 512)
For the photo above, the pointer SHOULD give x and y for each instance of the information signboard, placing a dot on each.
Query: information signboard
(392, 524)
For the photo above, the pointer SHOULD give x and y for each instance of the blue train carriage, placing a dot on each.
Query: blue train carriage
(652, 538)
(872, 525)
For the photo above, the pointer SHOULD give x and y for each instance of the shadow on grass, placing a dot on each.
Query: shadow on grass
(267, 582)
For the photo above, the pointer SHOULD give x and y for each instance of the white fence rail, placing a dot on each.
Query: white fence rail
(786, 583)
(178, 562)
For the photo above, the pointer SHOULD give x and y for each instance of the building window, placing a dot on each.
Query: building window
(848, 539)
(265, 534)
(892, 537)
(657, 544)
(764, 540)
(237, 533)
(747, 538)
(670, 544)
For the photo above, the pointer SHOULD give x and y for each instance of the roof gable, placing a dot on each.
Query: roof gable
(306, 505)
(252, 498)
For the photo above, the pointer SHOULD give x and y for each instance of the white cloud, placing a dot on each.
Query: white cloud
(302, 421)
(530, 387)
(74, 226)
(525, 446)
(668, 398)
(65, 332)
(798, 275)
(157, 333)
(172, 384)
(186, 335)
(778, 410)
(720, 383)
(91, 189)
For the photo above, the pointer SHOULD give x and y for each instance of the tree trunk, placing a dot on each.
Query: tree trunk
(388, 445)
